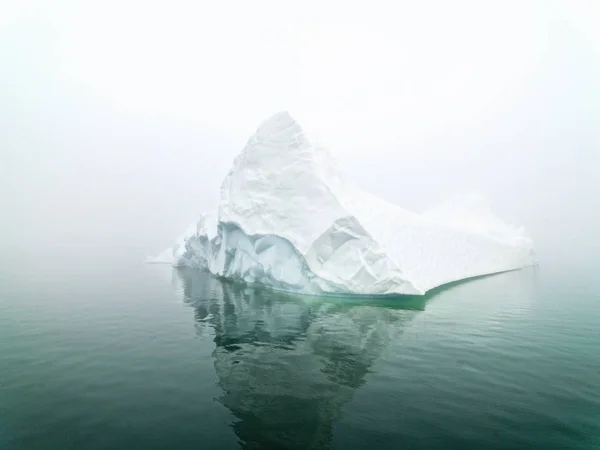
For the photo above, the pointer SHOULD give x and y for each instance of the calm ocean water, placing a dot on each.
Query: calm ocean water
(99, 351)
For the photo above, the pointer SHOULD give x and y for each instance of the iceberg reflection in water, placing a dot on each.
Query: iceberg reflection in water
(288, 364)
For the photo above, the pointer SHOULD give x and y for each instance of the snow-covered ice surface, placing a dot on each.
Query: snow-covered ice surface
(286, 219)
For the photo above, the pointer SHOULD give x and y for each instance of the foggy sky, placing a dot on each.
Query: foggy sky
(118, 120)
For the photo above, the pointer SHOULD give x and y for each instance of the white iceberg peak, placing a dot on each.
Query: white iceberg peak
(287, 220)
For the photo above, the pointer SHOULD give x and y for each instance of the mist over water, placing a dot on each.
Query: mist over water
(103, 140)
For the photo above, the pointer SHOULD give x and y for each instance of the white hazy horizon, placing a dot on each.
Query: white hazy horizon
(119, 120)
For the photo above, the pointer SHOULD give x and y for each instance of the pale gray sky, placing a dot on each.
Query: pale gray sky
(119, 119)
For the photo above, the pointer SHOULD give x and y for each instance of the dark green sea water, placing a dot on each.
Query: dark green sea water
(99, 351)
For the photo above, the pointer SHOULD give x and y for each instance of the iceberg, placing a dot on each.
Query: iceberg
(174, 253)
(288, 220)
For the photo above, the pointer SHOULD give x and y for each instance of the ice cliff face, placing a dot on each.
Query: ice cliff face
(287, 220)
